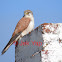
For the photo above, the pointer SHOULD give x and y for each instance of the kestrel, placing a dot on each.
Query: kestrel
(23, 27)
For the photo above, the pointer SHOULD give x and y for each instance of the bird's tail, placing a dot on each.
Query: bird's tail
(7, 46)
(16, 37)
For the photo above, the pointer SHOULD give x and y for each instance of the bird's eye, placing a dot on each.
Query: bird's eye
(27, 13)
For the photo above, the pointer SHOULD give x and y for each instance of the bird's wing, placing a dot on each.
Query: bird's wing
(20, 27)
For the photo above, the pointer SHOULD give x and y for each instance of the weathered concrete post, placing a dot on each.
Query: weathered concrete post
(46, 38)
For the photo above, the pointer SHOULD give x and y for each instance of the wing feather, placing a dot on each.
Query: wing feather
(21, 25)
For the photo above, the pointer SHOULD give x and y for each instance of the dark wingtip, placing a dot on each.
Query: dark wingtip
(2, 52)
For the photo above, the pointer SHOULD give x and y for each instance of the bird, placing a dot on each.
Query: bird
(23, 27)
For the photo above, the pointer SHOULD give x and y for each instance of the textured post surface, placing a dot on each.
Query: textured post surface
(52, 38)
(24, 53)
(50, 35)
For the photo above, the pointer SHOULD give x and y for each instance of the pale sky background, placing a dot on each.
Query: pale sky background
(11, 11)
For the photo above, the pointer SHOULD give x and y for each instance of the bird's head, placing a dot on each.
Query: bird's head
(28, 13)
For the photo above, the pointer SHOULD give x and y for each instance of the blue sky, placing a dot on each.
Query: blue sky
(11, 11)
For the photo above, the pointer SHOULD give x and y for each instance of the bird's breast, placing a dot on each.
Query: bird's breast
(29, 28)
